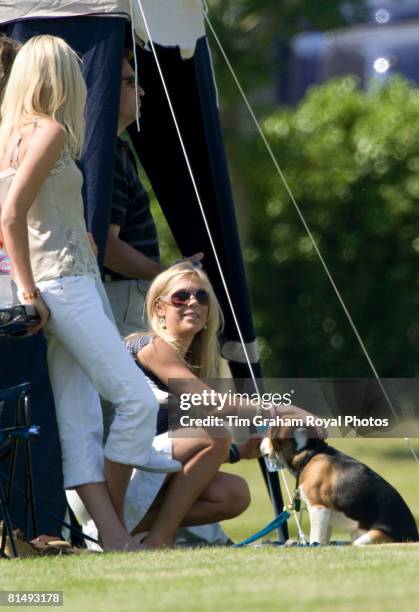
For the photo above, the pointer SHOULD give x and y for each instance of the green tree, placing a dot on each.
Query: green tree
(352, 161)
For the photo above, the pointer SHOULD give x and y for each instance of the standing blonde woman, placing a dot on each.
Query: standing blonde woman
(43, 227)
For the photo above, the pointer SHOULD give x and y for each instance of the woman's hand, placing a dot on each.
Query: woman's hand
(43, 312)
(250, 448)
(294, 412)
(195, 259)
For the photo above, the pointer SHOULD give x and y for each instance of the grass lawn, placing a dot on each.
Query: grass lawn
(381, 578)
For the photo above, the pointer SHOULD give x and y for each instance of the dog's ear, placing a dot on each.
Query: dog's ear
(300, 438)
(304, 437)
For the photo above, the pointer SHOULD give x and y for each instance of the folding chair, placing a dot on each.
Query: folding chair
(10, 439)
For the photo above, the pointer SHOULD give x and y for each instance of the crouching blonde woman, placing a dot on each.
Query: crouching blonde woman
(185, 318)
(43, 227)
(178, 355)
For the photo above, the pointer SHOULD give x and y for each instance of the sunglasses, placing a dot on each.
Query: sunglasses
(182, 297)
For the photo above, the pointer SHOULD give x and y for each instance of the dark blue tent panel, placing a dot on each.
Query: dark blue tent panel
(191, 89)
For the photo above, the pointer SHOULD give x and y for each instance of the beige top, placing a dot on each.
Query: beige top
(58, 242)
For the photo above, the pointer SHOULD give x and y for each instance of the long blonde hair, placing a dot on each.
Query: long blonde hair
(203, 357)
(45, 81)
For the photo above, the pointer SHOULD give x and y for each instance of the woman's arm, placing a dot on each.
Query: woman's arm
(39, 156)
(165, 363)
(161, 359)
(249, 449)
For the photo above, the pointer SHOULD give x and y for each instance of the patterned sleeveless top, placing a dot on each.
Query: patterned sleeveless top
(57, 233)
(159, 388)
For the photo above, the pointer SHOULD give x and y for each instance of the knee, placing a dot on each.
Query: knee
(134, 389)
(145, 398)
(242, 496)
(238, 497)
(152, 402)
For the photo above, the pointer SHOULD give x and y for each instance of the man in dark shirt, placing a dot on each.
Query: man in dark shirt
(132, 256)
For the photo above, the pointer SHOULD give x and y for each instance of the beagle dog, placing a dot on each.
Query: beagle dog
(339, 491)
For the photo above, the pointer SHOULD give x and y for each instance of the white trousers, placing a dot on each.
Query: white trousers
(86, 357)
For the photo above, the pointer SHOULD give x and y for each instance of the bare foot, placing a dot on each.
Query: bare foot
(127, 544)
(154, 544)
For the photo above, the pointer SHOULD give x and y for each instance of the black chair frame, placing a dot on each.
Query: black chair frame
(21, 434)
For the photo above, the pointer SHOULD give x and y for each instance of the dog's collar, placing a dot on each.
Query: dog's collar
(312, 452)
(296, 501)
(305, 461)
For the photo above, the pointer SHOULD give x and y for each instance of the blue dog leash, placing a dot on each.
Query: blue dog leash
(277, 522)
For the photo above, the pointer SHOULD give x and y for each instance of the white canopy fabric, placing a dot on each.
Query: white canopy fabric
(171, 22)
